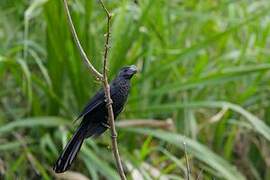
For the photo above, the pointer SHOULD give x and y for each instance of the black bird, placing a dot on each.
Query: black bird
(95, 117)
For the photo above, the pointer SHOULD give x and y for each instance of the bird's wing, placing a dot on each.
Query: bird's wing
(96, 101)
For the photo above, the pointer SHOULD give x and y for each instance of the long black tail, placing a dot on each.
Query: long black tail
(71, 150)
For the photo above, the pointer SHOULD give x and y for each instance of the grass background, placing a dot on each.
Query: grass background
(203, 64)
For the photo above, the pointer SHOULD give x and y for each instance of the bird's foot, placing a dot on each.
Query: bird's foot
(114, 136)
(108, 102)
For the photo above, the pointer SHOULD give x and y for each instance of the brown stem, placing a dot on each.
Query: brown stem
(109, 100)
(83, 55)
(152, 123)
(101, 77)
(187, 163)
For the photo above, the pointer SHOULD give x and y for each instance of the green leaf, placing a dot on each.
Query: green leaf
(33, 122)
(196, 149)
(93, 161)
(258, 125)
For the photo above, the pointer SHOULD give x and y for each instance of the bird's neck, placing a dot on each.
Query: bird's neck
(121, 82)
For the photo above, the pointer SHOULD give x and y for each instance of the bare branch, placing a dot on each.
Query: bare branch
(101, 77)
(70, 175)
(167, 124)
(78, 44)
(109, 100)
(105, 9)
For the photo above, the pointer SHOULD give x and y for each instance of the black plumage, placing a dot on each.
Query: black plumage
(95, 117)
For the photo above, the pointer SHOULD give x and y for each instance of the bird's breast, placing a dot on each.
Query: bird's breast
(119, 97)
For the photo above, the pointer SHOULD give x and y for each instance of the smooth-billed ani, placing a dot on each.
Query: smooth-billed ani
(95, 117)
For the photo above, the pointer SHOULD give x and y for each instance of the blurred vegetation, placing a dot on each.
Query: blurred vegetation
(204, 64)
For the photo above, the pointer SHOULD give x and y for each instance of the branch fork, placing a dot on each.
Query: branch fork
(101, 77)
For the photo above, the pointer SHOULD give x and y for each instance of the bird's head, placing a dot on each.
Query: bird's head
(128, 72)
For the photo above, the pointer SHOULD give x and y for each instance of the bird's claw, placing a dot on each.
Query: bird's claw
(114, 136)
(108, 103)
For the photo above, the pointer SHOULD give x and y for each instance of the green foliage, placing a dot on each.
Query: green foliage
(204, 64)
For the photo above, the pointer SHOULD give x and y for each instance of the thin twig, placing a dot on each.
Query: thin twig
(106, 10)
(83, 55)
(152, 123)
(69, 175)
(187, 163)
(108, 98)
(102, 78)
